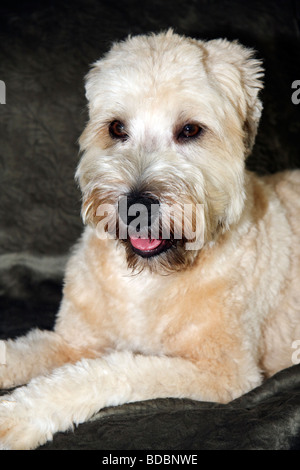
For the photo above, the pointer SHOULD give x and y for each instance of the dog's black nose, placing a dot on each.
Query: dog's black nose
(138, 210)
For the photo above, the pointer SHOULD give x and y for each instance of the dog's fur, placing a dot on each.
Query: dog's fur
(206, 324)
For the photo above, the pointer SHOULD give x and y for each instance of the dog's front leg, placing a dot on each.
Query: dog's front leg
(73, 393)
(34, 354)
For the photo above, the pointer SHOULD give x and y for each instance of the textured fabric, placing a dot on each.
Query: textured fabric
(45, 51)
(266, 418)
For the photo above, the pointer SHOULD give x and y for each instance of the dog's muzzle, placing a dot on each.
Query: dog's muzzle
(141, 215)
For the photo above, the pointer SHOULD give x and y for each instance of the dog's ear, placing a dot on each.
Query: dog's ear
(91, 81)
(91, 93)
(239, 75)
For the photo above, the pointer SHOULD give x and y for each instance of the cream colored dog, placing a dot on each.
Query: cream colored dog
(172, 120)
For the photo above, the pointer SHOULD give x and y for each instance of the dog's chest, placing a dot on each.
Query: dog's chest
(139, 322)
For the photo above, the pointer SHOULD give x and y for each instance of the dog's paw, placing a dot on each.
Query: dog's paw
(19, 429)
(5, 382)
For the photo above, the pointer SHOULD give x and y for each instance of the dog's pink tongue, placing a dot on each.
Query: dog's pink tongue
(145, 244)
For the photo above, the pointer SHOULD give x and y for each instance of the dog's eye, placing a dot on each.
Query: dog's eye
(117, 130)
(189, 131)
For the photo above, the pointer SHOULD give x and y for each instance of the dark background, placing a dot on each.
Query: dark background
(45, 51)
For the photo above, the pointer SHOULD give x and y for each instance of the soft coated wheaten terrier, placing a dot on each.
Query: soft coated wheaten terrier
(206, 311)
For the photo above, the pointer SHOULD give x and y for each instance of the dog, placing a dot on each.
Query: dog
(208, 306)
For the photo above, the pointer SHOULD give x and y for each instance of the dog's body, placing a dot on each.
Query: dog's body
(171, 121)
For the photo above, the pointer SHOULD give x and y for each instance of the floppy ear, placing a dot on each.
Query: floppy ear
(239, 76)
(91, 81)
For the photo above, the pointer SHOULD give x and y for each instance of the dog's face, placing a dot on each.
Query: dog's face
(171, 122)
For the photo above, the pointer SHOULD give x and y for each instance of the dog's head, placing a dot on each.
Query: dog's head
(172, 120)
